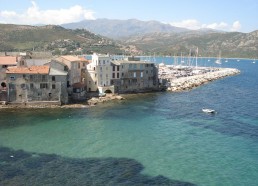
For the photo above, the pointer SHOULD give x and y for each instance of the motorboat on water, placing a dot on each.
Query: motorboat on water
(206, 110)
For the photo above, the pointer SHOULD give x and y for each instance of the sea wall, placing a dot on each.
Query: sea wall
(186, 83)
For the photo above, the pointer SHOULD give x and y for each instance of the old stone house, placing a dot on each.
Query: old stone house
(133, 75)
(76, 82)
(5, 62)
(36, 84)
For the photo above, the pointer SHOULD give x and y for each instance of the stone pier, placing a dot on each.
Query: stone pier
(189, 82)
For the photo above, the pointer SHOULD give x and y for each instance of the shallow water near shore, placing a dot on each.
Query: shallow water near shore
(163, 134)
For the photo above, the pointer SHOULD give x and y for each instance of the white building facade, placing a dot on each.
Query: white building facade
(99, 72)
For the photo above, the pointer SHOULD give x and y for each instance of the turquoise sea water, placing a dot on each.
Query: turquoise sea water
(157, 138)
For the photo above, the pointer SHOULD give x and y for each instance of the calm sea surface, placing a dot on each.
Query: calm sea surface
(148, 139)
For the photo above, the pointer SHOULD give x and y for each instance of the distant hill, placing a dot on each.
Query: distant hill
(117, 29)
(53, 38)
(209, 43)
(152, 37)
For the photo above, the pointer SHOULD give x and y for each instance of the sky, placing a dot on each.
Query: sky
(226, 15)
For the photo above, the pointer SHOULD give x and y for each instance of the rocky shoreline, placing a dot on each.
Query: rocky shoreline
(89, 103)
(187, 83)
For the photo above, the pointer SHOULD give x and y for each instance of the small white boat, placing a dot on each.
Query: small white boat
(208, 110)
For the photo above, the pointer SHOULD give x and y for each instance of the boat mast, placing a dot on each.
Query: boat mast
(196, 58)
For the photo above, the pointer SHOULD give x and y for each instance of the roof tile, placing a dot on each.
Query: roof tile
(28, 70)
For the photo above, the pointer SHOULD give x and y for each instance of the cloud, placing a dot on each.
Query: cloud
(216, 26)
(193, 24)
(33, 15)
(236, 26)
(189, 23)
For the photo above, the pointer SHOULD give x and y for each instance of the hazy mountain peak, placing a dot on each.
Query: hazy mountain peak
(115, 28)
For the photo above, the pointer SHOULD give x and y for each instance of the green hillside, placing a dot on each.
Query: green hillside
(231, 44)
(53, 38)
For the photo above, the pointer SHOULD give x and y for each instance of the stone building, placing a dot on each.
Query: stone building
(36, 84)
(133, 75)
(5, 62)
(99, 74)
(76, 82)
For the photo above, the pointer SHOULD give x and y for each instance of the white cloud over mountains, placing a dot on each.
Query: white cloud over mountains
(33, 15)
(195, 25)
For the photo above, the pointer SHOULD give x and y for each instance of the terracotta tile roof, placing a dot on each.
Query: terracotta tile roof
(71, 58)
(28, 70)
(8, 60)
(82, 59)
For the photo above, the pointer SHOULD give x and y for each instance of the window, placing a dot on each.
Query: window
(65, 68)
(53, 86)
(31, 77)
(44, 78)
(79, 65)
(114, 68)
(89, 82)
(113, 75)
(122, 74)
(53, 78)
(23, 86)
(43, 85)
(101, 69)
(141, 74)
(134, 74)
(106, 75)
(4, 66)
(122, 66)
(146, 71)
(31, 85)
(94, 68)
(117, 68)
(12, 77)
(134, 66)
(103, 62)
(117, 75)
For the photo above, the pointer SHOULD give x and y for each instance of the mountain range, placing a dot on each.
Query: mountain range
(163, 39)
(117, 29)
(132, 37)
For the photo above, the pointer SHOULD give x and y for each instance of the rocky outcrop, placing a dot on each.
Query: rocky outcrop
(96, 100)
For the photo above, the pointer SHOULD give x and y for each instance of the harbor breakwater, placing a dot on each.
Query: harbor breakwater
(189, 82)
